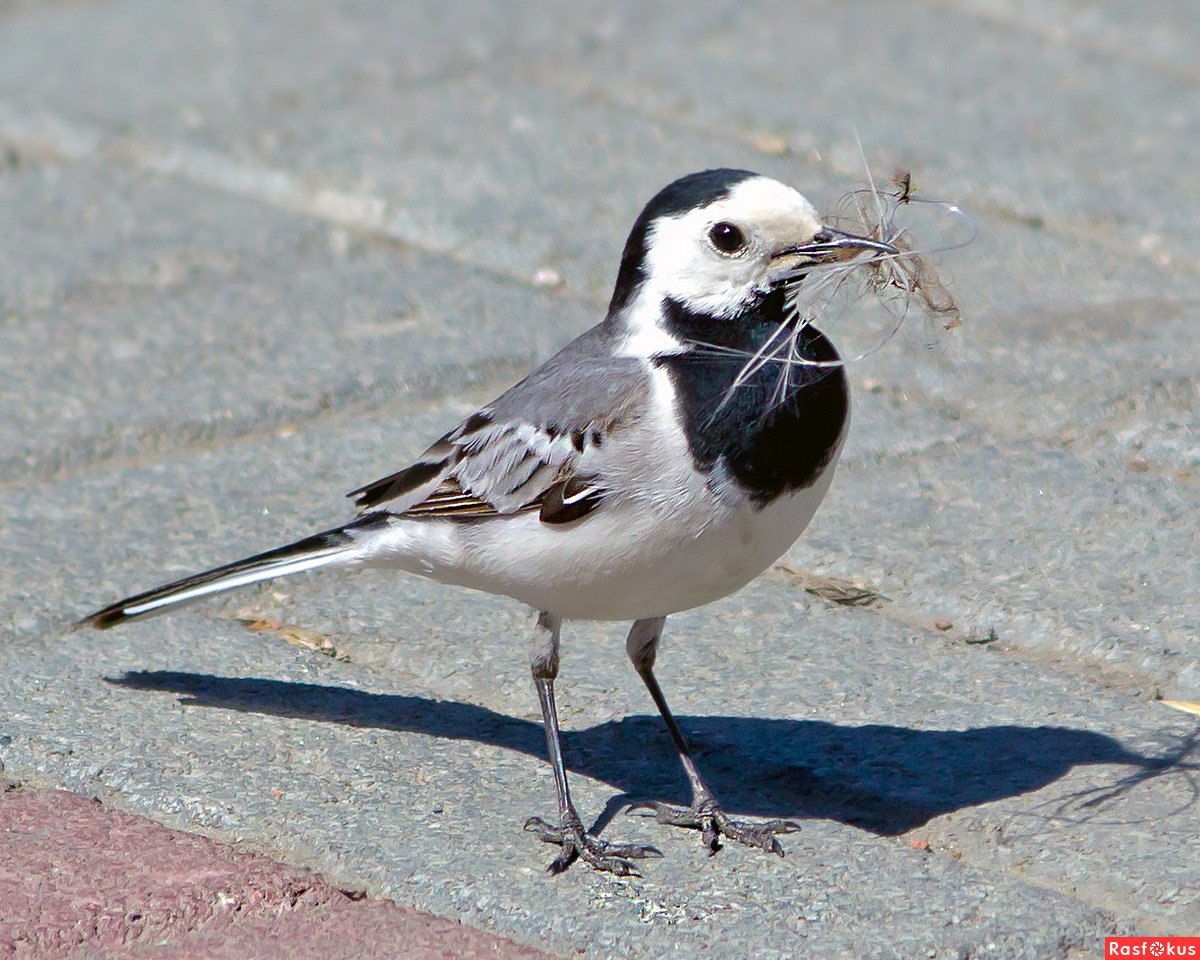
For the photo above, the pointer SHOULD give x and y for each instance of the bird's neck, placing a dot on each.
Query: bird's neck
(752, 327)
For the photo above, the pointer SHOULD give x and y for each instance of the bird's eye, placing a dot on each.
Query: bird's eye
(726, 238)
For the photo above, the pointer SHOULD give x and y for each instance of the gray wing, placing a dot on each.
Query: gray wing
(523, 451)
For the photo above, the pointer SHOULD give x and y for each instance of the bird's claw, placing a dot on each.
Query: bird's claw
(713, 823)
(578, 844)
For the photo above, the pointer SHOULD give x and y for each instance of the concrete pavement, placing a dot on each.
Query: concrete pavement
(255, 256)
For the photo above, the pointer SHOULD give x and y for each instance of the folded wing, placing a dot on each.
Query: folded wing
(537, 447)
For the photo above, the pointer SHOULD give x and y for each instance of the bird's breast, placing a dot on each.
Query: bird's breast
(775, 427)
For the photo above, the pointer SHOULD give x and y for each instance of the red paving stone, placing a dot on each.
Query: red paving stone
(79, 880)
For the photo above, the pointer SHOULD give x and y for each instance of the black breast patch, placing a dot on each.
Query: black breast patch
(769, 445)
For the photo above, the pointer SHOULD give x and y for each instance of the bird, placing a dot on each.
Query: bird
(660, 461)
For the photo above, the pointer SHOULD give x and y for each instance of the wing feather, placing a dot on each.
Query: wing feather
(529, 450)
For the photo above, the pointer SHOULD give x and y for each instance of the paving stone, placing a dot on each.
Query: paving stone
(1053, 554)
(978, 110)
(151, 313)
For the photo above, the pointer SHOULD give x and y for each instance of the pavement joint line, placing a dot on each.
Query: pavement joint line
(48, 135)
(377, 216)
(1124, 678)
(825, 159)
(157, 443)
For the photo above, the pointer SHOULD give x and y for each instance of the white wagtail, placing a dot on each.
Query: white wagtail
(661, 461)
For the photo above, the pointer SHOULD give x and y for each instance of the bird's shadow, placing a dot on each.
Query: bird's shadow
(881, 778)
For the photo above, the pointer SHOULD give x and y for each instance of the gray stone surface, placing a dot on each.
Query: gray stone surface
(256, 255)
(137, 286)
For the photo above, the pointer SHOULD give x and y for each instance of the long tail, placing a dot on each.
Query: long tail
(339, 545)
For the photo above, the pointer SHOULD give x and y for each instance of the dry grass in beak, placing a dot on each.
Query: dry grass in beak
(886, 284)
(909, 274)
(823, 293)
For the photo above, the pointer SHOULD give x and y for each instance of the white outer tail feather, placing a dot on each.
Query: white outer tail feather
(337, 546)
(231, 582)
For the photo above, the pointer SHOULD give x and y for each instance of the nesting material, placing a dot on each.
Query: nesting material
(910, 274)
(870, 291)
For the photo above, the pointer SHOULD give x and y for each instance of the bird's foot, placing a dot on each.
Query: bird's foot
(713, 823)
(578, 844)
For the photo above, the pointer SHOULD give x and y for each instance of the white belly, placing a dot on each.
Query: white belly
(626, 570)
(665, 539)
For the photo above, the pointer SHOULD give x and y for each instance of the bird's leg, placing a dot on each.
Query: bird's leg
(575, 841)
(704, 814)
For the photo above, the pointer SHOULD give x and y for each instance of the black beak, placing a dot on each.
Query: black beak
(830, 246)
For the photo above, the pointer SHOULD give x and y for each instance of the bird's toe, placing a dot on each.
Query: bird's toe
(713, 823)
(578, 844)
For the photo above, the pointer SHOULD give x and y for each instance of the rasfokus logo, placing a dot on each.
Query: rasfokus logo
(1152, 947)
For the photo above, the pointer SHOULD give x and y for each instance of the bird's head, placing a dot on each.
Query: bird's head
(717, 242)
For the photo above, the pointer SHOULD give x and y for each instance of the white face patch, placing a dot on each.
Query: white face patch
(683, 264)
